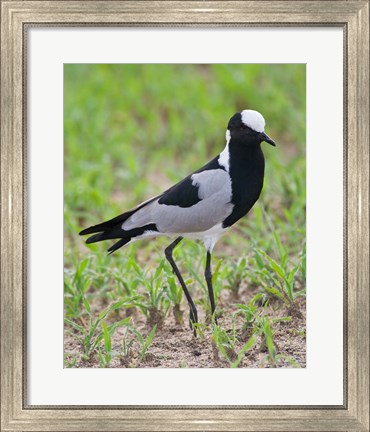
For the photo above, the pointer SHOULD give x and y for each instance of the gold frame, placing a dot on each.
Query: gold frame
(353, 17)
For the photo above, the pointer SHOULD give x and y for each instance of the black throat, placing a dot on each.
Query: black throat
(246, 169)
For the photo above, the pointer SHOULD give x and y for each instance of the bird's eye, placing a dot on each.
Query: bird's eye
(245, 127)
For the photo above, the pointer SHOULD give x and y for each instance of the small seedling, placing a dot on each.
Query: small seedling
(154, 303)
(174, 294)
(143, 343)
(277, 279)
(236, 273)
(250, 310)
(91, 336)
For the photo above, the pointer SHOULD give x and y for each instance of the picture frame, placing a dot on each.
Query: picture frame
(16, 18)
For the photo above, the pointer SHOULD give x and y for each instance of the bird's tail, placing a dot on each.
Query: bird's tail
(112, 229)
(111, 233)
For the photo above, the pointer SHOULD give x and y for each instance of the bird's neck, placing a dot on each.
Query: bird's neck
(239, 159)
(246, 169)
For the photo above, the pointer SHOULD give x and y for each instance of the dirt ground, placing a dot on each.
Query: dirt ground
(175, 346)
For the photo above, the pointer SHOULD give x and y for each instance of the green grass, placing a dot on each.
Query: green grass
(132, 130)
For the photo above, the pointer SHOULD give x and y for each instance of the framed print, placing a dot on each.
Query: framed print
(90, 92)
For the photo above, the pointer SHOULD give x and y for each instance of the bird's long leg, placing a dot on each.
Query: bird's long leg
(193, 311)
(208, 277)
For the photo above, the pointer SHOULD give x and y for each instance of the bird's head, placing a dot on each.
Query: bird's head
(248, 128)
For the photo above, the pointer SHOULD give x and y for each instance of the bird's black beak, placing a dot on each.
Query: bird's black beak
(266, 138)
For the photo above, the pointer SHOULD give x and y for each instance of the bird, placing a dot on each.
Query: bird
(202, 206)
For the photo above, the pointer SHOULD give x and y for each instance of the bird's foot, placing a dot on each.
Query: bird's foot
(193, 319)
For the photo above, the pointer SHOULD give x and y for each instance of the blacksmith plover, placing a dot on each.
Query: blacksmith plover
(203, 205)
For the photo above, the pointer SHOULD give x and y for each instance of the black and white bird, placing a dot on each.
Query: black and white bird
(202, 206)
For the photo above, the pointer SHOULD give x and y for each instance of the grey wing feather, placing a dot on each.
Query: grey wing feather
(215, 193)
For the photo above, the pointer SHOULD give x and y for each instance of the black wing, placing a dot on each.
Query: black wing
(185, 194)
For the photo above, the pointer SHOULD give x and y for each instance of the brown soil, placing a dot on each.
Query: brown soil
(175, 346)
